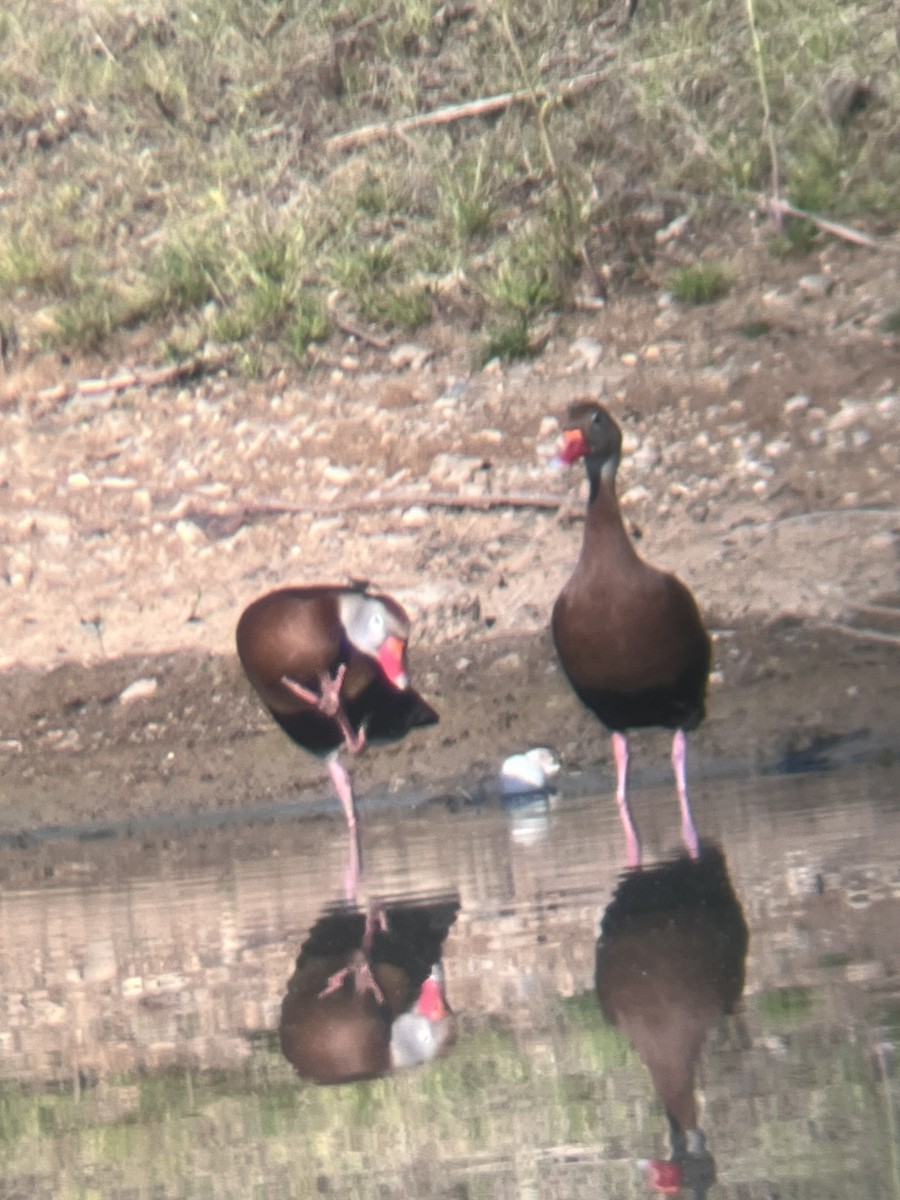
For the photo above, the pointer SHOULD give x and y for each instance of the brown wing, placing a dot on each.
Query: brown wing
(297, 632)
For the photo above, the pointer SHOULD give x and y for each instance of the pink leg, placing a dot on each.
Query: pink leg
(632, 845)
(359, 967)
(360, 972)
(344, 789)
(352, 870)
(341, 781)
(688, 832)
(328, 701)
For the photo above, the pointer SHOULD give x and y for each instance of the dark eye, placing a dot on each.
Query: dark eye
(596, 418)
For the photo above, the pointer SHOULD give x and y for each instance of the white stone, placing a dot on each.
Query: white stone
(796, 403)
(589, 350)
(415, 517)
(141, 689)
(335, 473)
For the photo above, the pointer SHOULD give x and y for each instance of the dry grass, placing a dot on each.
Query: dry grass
(165, 168)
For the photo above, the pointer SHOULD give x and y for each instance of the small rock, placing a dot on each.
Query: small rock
(646, 456)
(453, 470)
(415, 517)
(848, 414)
(409, 354)
(507, 662)
(796, 404)
(78, 481)
(589, 351)
(815, 287)
(141, 689)
(636, 495)
(628, 359)
(673, 230)
(189, 533)
(549, 427)
(335, 473)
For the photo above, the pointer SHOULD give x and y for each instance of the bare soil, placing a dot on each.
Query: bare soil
(137, 523)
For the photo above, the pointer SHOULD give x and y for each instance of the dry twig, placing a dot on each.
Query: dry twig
(782, 208)
(457, 112)
(138, 377)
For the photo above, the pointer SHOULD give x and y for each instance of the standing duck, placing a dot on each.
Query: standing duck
(329, 663)
(630, 637)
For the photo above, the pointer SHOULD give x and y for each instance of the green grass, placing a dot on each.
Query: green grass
(786, 1005)
(168, 168)
(701, 283)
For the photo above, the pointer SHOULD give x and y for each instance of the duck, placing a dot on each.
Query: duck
(629, 637)
(368, 993)
(670, 963)
(329, 662)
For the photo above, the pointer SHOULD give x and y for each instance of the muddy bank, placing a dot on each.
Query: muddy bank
(789, 697)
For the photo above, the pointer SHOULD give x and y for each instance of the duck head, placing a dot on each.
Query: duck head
(589, 432)
(377, 626)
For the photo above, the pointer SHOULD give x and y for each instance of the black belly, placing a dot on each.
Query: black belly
(680, 705)
(388, 715)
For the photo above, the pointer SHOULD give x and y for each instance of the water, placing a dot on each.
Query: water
(143, 983)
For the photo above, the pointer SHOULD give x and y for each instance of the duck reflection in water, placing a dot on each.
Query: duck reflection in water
(367, 995)
(669, 964)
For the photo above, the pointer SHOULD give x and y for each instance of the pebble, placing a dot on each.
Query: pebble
(507, 662)
(410, 354)
(78, 481)
(796, 404)
(646, 456)
(335, 473)
(674, 229)
(628, 359)
(415, 517)
(636, 495)
(815, 287)
(141, 689)
(452, 470)
(848, 414)
(589, 351)
(189, 533)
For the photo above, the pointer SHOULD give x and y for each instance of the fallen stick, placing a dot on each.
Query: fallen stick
(232, 519)
(139, 377)
(483, 107)
(779, 208)
(865, 635)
